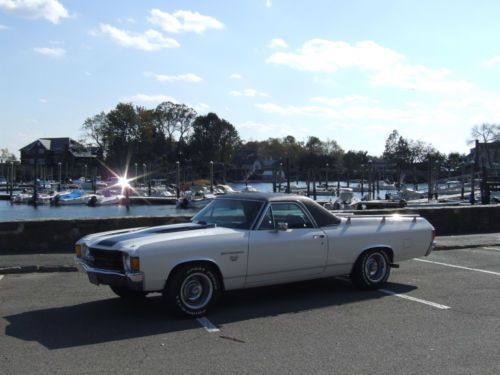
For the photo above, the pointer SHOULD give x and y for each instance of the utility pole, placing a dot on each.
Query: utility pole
(288, 175)
(429, 182)
(178, 178)
(473, 172)
(314, 184)
(211, 176)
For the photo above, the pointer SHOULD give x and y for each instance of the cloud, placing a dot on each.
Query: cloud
(235, 76)
(277, 43)
(263, 130)
(268, 4)
(384, 67)
(43, 100)
(200, 107)
(183, 20)
(3, 27)
(350, 99)
(150, 40)
(149, 99)
(51, 52)
(51, 10)
(355, 109)
(493, 60)
(319, 55)
(189, 77)
(128, 20)
(249, 93)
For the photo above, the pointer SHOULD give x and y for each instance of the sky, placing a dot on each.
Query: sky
(351, 71)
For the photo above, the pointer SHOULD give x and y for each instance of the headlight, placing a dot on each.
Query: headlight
(85, 251)
(131, 264)
(82, 250)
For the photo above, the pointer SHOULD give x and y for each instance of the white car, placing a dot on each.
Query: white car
(248, 240)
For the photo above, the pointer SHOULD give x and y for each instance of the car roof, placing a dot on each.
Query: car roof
(322, 216)
(264, 197)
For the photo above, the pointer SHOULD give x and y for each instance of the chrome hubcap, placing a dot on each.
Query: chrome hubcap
(375, 267)
(196, 291)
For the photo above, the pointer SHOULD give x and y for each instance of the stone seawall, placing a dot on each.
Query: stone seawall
(59, 235)
(452, 220)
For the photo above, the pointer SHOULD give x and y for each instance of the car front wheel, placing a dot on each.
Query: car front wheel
(192, 289)
(371, 270)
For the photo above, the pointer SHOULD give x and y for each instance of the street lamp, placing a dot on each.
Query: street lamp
(326, 176)
(59, 185)
(135, 165)
(144, 169)
(11, 178)
(85, 174)
(178, 178)
(211, 176)
(280, 176)
(371, 185)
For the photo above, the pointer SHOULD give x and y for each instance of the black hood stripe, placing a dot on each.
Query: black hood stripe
(148, 232)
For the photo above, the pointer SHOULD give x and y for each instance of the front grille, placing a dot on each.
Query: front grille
(107, 259)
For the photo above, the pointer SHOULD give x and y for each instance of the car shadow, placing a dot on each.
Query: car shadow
(115, 319)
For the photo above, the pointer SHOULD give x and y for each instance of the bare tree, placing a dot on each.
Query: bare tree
(94, 129)
(484, 133)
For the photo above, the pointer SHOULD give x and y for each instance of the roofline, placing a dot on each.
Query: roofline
(264, 197)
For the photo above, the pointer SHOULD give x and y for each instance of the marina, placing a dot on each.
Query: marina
(84, 204)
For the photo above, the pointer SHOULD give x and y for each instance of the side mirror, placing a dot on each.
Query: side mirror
(282, 226)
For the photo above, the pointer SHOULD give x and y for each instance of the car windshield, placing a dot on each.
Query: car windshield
(229, 213)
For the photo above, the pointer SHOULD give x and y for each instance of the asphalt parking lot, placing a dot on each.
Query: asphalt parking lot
(440, 314)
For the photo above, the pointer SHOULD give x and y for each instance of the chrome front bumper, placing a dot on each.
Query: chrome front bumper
(97, 276)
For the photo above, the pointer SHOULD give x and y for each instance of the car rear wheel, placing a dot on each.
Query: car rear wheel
(371, 270)
(127, 293)
(192, 290)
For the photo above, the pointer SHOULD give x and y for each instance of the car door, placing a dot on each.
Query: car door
(278, 254)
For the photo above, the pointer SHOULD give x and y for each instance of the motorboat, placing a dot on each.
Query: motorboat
(223, 189)
(197, 201)
(345, 201)
(105, 199)
(249, 189)
(73, 198)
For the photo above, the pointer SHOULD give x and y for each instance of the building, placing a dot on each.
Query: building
(58, 158)
(486, 154)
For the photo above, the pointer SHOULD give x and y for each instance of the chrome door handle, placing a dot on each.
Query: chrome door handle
(318, 236)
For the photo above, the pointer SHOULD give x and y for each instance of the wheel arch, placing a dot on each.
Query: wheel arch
(387, 249)
(205, 261)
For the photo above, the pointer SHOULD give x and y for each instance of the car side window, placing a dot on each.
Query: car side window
(267, 221)
(289, 213)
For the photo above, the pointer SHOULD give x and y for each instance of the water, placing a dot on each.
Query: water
(10, 211)
(23, 211)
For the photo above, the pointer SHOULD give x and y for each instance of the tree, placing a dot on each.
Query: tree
(485, 133)
(6, 156)
(398, 151)
(172, 118)
(94, 129)
(213, 139)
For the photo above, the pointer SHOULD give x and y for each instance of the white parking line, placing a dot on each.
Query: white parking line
(1, 277)
(208, 325)
(491, 248)
(459, 267)
(404, 296)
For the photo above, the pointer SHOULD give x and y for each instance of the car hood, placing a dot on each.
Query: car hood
(136, 237)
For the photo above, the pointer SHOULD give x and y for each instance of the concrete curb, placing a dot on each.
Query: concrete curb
(465, 246)
(34, 269)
